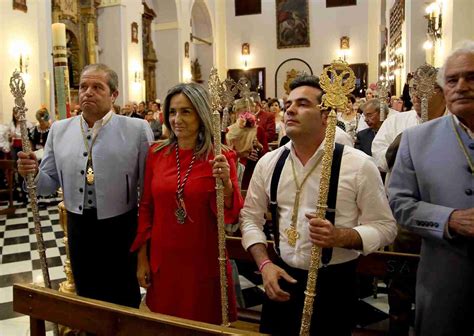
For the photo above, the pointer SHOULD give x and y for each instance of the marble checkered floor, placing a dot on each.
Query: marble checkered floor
(19, 259)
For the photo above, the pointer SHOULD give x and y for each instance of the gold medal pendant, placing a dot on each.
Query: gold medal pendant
(293, 235)
(180, 212)
(90, 176)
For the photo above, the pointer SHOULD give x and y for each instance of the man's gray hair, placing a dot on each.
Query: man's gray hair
(112, 78)
(464, 47)
(372, 103)
(199, 98)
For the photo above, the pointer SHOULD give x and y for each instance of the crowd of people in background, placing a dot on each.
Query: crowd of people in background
(268, 114)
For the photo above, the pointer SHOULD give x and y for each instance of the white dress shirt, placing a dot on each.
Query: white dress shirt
(343, 137)
(390, 129)
(361, 204)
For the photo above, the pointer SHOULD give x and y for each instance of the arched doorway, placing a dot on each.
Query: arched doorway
(201, 42)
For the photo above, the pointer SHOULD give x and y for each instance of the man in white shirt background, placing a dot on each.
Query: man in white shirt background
(363, 221)
(395, 124)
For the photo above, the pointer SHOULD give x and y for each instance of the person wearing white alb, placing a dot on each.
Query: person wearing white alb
(363, 221)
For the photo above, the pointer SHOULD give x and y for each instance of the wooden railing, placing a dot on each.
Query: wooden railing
(102, 318)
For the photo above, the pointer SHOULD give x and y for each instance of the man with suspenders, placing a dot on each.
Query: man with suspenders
(288, 180)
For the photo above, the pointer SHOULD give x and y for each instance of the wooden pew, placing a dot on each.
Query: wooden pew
(102, 318)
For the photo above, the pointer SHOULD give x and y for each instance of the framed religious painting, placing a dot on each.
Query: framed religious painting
(20, 5)
(292, 23)
(134, 32)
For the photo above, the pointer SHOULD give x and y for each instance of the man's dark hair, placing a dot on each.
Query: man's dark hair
(308, 80)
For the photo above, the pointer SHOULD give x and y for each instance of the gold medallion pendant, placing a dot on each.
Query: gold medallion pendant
(293, 235)
(90, 176)
(180, 212)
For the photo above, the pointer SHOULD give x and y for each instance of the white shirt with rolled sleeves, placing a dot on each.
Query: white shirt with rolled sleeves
(118, 157)
(361, 204)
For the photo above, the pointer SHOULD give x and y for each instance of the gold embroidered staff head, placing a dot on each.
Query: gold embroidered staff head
(337, 80)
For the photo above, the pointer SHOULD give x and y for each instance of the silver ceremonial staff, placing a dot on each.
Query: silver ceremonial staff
(382, 88)
(17, 88)
(424, 80)
(216, 91)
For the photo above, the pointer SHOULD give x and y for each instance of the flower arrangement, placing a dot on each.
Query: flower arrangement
(242, 134)
(247, 120)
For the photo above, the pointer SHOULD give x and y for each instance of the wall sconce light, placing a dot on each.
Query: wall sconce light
(396, 61)
(138, 77)
(24, 63)
(434, 18)
(21, 52)
(344, 47)
(245, 54)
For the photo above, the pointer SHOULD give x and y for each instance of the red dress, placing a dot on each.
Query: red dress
(183, 257)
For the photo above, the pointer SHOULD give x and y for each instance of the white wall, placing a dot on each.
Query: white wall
(415, 27)
(117, 50)
(458, 24)
(202, 28)
(25, 29)
(168, 45)
(327, 25)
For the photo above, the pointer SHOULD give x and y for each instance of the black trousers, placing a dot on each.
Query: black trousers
(333, 309)
(102, 265)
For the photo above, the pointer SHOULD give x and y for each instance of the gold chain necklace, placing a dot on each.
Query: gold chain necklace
(463, 148)
(292, 232)
(90, 169)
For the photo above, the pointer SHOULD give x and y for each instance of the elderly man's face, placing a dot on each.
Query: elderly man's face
(372, 117)
(459, 85)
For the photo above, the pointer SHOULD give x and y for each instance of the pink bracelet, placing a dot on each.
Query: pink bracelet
(263, 264)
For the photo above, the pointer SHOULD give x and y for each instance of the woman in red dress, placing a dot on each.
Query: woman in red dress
(177, 232)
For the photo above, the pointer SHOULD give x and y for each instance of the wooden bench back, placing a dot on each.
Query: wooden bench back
(102, 318)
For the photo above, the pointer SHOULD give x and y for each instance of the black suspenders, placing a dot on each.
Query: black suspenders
(273, 197)
(332, 196)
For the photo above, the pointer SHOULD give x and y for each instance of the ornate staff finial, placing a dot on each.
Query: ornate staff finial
(424, 80)
(244, 87)
(230, 90)
(337, 80)
(216, 91)
(382, 88)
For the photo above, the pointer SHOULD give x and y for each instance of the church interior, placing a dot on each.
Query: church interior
(153, 45)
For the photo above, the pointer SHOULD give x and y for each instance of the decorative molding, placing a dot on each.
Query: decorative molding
(165, 26)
